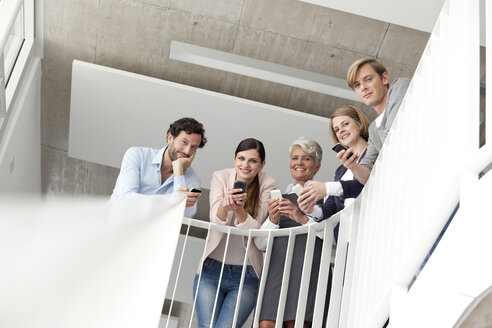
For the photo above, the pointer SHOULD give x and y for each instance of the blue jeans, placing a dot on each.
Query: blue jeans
(226, 299)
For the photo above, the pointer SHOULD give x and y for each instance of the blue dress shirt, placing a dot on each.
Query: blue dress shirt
(141, 173)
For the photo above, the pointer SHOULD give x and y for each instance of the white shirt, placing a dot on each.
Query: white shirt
(379, 119)
(140, 173)
(334, 189)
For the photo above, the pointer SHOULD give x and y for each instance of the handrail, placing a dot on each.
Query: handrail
(480, 160)
(3, 101)
(319, 226)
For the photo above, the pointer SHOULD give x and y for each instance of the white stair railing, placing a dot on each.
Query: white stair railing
(327, 227)
(459, 269)
(414, 186)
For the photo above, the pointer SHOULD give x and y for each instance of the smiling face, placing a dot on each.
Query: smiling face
(302, 166)
(371, 88)
(247, 164)
(183, 145)
(346, 130)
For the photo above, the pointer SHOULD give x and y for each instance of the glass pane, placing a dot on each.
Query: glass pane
(14, 43)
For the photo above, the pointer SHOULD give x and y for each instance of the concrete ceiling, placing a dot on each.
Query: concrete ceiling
(420, 15)
(416, 14)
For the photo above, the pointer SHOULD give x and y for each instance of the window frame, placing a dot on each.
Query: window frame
(17, 16)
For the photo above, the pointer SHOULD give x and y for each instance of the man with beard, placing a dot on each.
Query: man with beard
(151, 171)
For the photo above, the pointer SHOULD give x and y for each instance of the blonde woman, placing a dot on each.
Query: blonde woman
(350, 127)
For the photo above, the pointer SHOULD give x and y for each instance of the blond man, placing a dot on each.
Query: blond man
(370, 81)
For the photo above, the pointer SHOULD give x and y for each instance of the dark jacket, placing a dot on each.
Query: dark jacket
(351, 189)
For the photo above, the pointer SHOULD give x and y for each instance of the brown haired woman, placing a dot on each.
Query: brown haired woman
(244, 210)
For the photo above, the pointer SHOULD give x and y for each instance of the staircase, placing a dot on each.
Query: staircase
(431, 162)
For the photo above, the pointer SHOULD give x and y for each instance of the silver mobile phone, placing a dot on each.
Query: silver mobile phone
(275, 194)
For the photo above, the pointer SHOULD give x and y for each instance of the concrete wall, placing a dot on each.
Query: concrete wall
(135, 36)
(20, 152)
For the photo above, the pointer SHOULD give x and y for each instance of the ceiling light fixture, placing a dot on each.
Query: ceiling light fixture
(261, 70)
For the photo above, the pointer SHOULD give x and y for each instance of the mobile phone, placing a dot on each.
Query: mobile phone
(195, 190)
(239, 184)
(339, 147)
(275, 194)
(297, 189)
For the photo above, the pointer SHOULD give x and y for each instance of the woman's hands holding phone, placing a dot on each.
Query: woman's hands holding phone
(234, 199)
(290, 210)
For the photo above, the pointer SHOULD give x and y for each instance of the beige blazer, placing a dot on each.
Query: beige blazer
(221, 182)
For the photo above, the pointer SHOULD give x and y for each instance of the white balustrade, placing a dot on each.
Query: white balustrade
(413, 188)
(327, 227)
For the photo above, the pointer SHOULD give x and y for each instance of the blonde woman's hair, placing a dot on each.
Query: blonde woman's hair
(356, 115)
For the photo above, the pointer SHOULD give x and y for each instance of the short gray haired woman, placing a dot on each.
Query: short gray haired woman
(305, 161)
(310, 147)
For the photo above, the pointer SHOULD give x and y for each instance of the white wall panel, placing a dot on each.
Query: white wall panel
(85, 262)
(20, 147)
(112, 110)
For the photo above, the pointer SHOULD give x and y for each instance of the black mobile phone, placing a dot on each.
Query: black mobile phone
(339, 147)
(195, 190)
(239, 184)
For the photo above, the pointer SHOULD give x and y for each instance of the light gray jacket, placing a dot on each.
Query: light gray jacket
(377, 135)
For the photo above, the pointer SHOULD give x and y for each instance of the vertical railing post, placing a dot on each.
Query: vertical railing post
(29, 20)
(264, 275)
(324, 274)
(347, 300)
(306, 277)
(473, 56)
(199, 277)
(470, 118)
(285, 280)
(226, 248)
(3, 99)
(488, 71)
(177, 275)
(241, 282)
